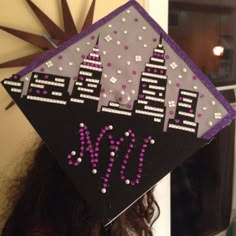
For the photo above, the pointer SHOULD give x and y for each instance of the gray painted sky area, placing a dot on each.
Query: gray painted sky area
(125, 38)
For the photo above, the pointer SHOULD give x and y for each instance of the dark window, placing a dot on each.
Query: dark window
(198, 27)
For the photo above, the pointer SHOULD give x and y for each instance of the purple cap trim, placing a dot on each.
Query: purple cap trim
(209, 134)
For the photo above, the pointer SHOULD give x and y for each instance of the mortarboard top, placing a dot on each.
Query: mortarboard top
(119, 105)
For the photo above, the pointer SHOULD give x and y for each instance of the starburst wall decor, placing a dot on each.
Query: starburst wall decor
(56, 36)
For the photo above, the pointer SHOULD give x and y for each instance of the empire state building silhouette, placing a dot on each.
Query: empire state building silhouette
(87, 88)
(152, 89)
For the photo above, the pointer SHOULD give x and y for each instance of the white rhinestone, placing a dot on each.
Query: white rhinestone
(104, 52)
(145, 45)
(109, 26)
(73, 153)
(152, 141)
(110, 91)
(140, 38)
(119, 72)
(130, 81)
(210, 123)
(112, 154)
(79, 159)
(127, 134)
(204, 108)
(119, 56)
(110, 127)
(60, 68)
(184, 70)
(169, 82)
(81, 125)
(122, 92)
(105, 75)
(123, 19)
(70, 63)
(127, 181)
(113, 80)
(94, 171)
(88, 43)
(128, 63)
(180, 76)
(26, 78)
(133, 91)
(125, 32)
(103, 190)
(144, 27)
(195, 87)
(104, 95)
(213, 103)
(77, 49)
(118, 42)
(128, 11)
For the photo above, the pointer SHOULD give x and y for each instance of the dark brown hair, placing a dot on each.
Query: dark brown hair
(45, 196)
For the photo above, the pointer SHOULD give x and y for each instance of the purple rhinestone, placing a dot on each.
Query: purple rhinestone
(109, 170)
(111, 159)
(97, 144)
(141, 155)
(141, 159)
(137, 181)
(132, 183)
(122, 177)
(105, 180)
(142, 150)
(107, 175)
(139, 176)
(70, 162)
(144, 145)
(133, 140)
(140, 170)
(76, 164)
(69, 156)
(96, 160)
(94, 165)
(140, 164)
(132, 135)
(112, 142)
(122, 139)
(131, 145)
(110, 164)
(123, 167)
(127, 156)
(118, 143)
(96, 154)
(96, 149)
(122, 172)
(129, 150)
(105, 185)
(125, 161)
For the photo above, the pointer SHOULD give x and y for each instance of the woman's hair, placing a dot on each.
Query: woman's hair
(45, 196)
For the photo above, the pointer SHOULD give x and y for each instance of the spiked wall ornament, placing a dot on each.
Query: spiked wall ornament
(55, 37)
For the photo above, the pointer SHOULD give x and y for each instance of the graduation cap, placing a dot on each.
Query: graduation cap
(119, 108)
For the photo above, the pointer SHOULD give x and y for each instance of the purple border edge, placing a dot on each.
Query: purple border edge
(210, 133)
